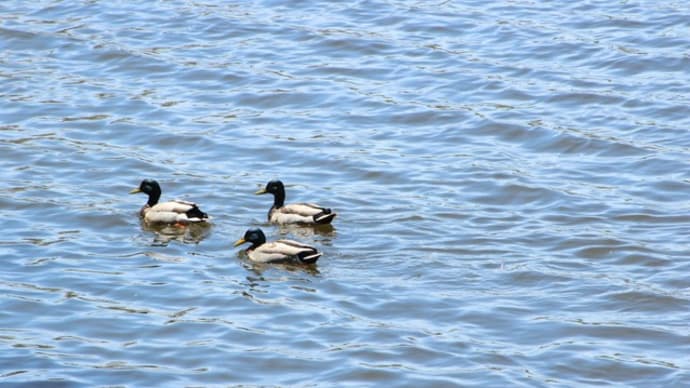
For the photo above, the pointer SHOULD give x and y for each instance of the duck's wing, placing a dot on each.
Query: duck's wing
(302, 213)
(284, 250)
(176, 206)
(280, 217)
(305, 209)
(305, 253)
(163, 217)
(177, 211)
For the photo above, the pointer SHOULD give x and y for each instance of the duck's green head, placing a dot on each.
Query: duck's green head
(150, 187)
(274, 187)
(255, 236)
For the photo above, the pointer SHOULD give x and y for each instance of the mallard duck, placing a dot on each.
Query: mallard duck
(276, 251)
(171, 212)
(294, 213)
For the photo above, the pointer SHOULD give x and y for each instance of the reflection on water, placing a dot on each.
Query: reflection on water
(324, 233)
(163, 234)
(260, 269)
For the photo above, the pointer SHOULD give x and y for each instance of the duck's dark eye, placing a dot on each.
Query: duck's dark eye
(253, 237)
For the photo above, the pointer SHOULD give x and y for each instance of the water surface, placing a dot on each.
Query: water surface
(511, 181)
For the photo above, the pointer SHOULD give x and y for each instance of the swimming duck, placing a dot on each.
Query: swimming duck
(171, 212)
(294, 213)
(276, 251)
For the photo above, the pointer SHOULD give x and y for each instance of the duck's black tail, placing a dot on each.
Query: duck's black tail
(309, 257)
(325, 217)
(195, 212)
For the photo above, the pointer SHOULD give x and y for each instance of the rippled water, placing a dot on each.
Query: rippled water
(512, 182)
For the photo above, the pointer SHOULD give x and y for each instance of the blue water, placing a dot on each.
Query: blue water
(512, 183)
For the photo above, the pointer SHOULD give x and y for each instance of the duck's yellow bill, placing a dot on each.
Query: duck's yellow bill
(239, 242)
(134, 191)
(262, 191)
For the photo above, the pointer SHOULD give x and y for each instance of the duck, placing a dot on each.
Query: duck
(294, 213)
(175, 212)
(278, 251)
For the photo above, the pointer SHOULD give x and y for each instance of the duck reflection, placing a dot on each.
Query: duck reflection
(327, 231)
(188, 234)
(260, 269)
